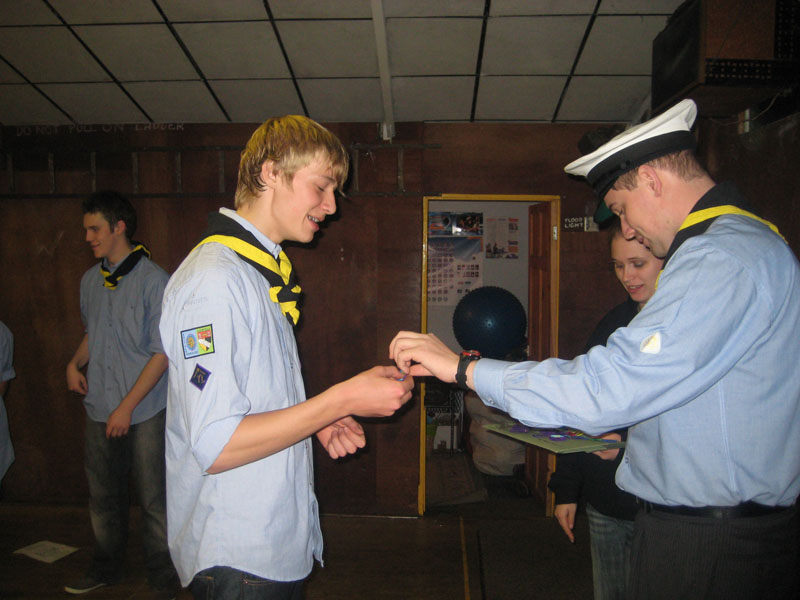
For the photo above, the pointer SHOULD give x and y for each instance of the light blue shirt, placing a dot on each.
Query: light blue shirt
(262, 517)
(707, 375)
(122, 324)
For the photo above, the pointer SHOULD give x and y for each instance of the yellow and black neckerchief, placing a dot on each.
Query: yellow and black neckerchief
(722, 199)
(110, 280)
(283, 287)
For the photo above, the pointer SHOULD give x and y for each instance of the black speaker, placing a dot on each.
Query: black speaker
(727, 55)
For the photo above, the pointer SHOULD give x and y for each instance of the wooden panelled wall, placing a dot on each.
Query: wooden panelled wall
(361, 276)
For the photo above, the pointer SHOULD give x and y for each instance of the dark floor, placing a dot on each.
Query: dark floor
(498, 548)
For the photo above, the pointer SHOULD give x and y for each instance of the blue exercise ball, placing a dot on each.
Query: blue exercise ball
(491, 320)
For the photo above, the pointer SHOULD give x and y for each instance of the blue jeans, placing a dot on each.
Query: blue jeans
(610, 541)
(227, 583)
(109, 463)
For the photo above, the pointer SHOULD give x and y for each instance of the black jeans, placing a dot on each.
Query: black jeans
(227, 583)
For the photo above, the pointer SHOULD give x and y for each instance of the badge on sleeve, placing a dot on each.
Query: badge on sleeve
(651, 344)
(200, 377)
(197, 341)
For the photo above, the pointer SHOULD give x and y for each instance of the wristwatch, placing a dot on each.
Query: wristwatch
(467, 356)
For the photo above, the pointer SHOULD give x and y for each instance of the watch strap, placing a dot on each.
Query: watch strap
(466, 357)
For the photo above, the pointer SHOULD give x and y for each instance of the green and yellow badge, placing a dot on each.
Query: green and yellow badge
(197, 341)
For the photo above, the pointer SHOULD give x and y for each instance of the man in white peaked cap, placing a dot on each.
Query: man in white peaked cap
(706, 375)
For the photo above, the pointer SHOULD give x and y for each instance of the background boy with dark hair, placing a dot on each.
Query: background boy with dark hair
(124, 393)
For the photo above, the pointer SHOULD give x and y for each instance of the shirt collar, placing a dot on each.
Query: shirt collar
(271, 246)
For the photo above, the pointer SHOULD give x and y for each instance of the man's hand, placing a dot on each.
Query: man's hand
(378, 392)
(565, 515)
(343, 437)
(119, 422)
(611, 453)
(431, 354)
(76, 382)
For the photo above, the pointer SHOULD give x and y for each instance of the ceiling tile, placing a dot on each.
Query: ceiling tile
(615, 99)
(23, 105)
(343, 100)
(433, 8)
(26, 12)
(433, 46)
(8, 75)
(314, 9)
(230, 10)
(255, 100)
(176, 101)
(138, 52)
(94, 103)
(542, 7)
(432, 98)
(518, 98)
(106, 11)
(620, 46)
(234, 50)
(529, 49)
(639, 7)
(343, 48)
(532, 45)
(48, 54)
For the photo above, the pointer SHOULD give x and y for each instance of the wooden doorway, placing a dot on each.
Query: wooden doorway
(543, 239)
(543, 266)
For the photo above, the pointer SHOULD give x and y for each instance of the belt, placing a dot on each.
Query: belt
(740, 511)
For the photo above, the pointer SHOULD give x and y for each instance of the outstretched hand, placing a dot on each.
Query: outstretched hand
(421, 354)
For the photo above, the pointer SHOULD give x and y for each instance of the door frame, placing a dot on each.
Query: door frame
(555, 244)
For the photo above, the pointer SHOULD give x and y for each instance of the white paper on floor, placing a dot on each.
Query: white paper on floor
(46, 551)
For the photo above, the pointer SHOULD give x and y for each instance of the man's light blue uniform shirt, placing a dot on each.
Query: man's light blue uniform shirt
(707, 375)
(261, 517)
(122, 324)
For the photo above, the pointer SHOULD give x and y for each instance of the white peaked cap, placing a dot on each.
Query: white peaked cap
(664, 134)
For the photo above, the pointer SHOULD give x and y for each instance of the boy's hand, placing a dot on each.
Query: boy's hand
(119, 422)
(343, 437)
(76, 382)
(378, 392)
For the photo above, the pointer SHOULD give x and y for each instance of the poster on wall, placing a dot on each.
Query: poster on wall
(454, 268)
(468, 224)
(502, 237)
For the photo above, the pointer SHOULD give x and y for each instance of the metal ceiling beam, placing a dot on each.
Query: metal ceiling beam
(382, 50)
(487, 9)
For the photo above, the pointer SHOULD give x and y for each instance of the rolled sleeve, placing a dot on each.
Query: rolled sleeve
(213, 439)
(212, 411)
